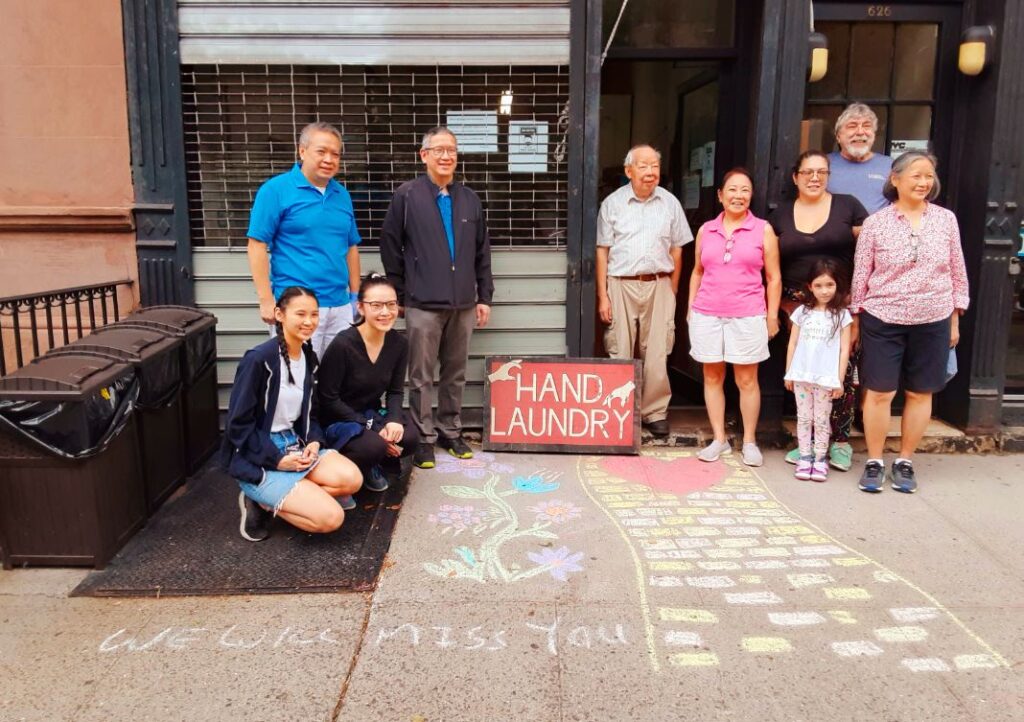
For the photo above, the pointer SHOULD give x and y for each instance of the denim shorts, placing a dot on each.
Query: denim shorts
(277, 484)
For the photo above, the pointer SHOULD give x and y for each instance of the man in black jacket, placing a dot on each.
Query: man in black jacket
(435, 250)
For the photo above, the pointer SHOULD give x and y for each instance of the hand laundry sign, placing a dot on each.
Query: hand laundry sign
(562, 404)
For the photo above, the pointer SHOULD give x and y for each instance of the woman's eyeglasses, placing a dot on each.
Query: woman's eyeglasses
(378, 306)
(728, 251)
(811, 172)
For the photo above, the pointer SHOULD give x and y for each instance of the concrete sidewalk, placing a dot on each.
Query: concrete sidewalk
(542, 587)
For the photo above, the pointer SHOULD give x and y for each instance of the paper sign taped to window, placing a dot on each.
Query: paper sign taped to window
(527, 146)
(899, 147)
(475, 130)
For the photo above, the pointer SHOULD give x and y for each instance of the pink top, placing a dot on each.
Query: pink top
(900, 285)
(732, 289)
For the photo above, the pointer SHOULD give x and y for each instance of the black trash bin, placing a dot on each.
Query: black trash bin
(69, 462)
(156, 359)
(198, 329)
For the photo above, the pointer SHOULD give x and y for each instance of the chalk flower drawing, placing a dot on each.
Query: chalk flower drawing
(533, 484)
(558, 561)
(478, 467)
(556, 511)
(499, 524)
(458, 518)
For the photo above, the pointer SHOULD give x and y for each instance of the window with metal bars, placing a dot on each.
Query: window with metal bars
(242, 122)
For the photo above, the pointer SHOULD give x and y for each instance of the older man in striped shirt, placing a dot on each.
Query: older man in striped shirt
(641, 232)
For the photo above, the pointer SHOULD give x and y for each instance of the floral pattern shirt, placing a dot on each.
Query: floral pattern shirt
(909, 277)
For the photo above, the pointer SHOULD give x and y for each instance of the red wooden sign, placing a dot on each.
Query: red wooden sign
(562, 404)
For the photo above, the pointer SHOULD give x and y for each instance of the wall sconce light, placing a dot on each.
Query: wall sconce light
(818, 64)
(505, 108)
(974, 49)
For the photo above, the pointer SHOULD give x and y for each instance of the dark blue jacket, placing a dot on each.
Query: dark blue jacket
(414, 248)
(247, 448)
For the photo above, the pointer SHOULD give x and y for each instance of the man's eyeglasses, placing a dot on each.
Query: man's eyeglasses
(811, 172)
(378, 306)
(644, 167)
(438, 152)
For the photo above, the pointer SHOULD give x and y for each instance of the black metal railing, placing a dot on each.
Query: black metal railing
(54, 317)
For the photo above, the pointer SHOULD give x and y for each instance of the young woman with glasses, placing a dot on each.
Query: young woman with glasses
(731, 315)
(364, 363)
(820, 226)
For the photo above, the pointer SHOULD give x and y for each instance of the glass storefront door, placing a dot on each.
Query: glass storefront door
(898, 59)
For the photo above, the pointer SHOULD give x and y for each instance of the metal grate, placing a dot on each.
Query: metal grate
(241, 124)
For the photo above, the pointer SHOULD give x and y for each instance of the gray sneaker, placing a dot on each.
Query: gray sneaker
(752, 455)
(715, 449)
(903, 477)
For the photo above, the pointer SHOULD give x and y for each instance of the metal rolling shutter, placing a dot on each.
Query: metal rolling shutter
(342, 32)
(241, 124)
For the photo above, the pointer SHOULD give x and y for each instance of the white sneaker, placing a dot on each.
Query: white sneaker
(752, 455)
(715, 449)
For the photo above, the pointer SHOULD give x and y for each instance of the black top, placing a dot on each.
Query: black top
(351, 384)
(798, 251)
(415, 253)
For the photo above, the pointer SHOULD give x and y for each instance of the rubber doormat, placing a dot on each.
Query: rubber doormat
(192, 547)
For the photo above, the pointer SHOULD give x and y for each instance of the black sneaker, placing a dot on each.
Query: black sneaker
(255, 523)
(903, 477)
(376, 481)
(873, 478)
(456, 447)
(423, 457)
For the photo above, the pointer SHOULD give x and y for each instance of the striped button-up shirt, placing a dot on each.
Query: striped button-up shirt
(641, 233)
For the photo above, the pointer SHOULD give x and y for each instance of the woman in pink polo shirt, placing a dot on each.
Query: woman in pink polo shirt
(731, 317)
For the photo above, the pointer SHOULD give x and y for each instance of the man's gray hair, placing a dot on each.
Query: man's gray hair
(856, 110)
(436, 131)
(901, 164)
(629, 154)
(306, 135)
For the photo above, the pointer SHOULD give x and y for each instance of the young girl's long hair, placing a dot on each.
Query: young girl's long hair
(838, 273)
(282, 303)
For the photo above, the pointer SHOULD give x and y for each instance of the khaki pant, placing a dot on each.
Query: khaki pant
(644, 310)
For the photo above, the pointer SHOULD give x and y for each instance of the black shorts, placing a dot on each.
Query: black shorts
(914, 356)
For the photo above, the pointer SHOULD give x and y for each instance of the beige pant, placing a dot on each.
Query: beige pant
(644, 310)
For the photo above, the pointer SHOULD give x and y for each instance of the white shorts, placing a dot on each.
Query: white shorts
(734, 340)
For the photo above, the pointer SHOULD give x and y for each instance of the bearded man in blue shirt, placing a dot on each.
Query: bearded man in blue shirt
(302, 232)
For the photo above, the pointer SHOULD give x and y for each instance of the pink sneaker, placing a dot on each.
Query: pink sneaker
(804, 469)
(819, 471)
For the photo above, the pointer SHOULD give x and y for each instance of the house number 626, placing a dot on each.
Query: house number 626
(879, 11)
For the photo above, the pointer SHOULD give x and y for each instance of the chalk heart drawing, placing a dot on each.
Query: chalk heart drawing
(485, 514)
(680, 476)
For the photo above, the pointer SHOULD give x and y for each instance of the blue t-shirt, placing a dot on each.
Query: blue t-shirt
(444, 205)
(863, 181)
(308, 234)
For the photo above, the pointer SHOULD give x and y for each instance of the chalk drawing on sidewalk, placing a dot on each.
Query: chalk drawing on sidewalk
(496, 523)
(677, 514)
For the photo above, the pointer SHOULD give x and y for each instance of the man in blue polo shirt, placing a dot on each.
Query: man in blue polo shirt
(302, 232)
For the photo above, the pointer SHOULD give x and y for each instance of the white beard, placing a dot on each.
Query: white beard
(857, 151)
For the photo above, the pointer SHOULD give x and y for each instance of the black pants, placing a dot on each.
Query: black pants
(369, 448)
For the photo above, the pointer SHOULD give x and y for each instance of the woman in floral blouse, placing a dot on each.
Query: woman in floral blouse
(909, 290)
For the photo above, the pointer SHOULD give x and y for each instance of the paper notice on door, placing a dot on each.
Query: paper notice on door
(899, 147)
(527, 146)
(708, 164)
(477, 130)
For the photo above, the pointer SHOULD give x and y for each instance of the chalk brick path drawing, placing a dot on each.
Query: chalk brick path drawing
(710, 540)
